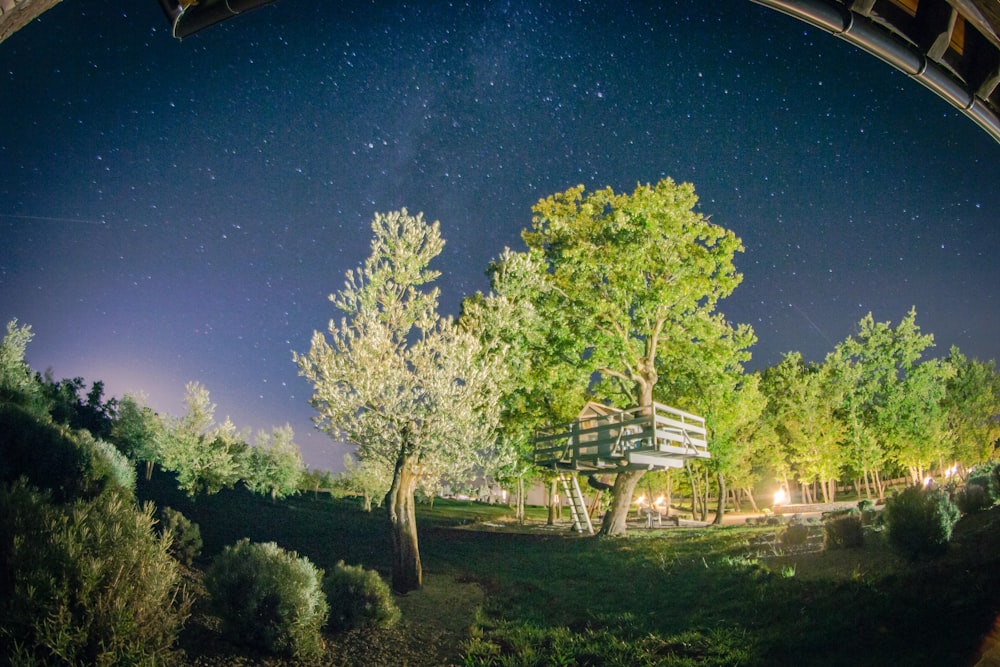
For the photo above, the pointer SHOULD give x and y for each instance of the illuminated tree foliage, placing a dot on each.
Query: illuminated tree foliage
(633, 281)
(412, 389)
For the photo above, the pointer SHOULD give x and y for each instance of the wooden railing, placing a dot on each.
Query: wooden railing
(656, 435)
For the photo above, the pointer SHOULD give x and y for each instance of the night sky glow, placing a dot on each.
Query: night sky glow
(175, 211)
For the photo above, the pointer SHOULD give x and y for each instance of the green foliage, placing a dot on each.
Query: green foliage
(185, 535)
(17, 383)
(274, 464)
(72, 465)
(358, 598)
(980, 491)
(206, 456)
(85, 583)
(865, 504)
(137, 430)
(795, 535)
(844, 531)
(920, 522)
(268, 597)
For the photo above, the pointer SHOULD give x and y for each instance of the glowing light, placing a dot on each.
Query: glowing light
(951, 472)
(660, 501)
(928, 481)
(641, 500)
(780, 497)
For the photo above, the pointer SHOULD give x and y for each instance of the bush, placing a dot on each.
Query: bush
(795, 535)
(920, 522)
(980, 491)
(87, 583)
(73, 465)
(358, 598)
(865, 505)
(185, 536)
(269, 598)
(844, 531)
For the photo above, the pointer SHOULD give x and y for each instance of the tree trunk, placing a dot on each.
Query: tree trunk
(753, 501)
(621, 500)
(704, 499)
(519, 511)
(553, 491)
(720, 507)
(694, 490)
(407, 574)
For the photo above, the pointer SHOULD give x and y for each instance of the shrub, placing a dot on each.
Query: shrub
(185, 535)
(980, 491)
(269, 598)
(358, 598)
(865, 505)
(795, 535)
(920, 522)
(844, 531)
(87, 583)
(72, 465)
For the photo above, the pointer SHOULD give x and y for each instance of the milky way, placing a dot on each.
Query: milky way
(175, 211)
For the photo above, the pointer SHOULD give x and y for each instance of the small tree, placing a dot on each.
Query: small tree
(207, 457)
(274, 463)
(412, 389)
(138, 432)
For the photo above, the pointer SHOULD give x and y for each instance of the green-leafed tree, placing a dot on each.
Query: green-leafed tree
(896, 400)
(206, 456)
(18, 383)
(364, 478)
(634, 279)
(802, 403)
(138, 431)
(733, 415)
(411, 388)
(972, 403)
(274, 464)
(541, 388)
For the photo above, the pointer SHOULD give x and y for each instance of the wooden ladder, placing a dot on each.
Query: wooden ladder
(577, 504)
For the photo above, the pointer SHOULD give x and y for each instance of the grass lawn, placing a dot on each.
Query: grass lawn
(694, 596)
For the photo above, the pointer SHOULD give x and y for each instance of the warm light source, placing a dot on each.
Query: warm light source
(641, 500)
(660, 501)
(780, 497)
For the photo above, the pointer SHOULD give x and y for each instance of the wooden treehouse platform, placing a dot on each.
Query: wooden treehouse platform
(606, 439)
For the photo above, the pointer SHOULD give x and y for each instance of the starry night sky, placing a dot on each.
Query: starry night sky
(175, 211)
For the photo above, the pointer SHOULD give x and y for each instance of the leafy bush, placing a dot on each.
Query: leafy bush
(72, 464)
(795, 535)
(358, 598)
(268, 597)
(865, 504)
(844, 531)
(920, 522)
(185, 535)
(87, 583)
(980, 491)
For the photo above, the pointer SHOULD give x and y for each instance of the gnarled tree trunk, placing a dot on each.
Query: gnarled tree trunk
(407, 574)
(621, 500)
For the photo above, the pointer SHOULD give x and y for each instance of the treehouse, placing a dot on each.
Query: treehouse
(604, 439)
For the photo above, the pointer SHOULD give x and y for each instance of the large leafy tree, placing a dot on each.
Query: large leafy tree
(802, 409)
(540, 388)
(411, 388)
(972, 403)
(18, 383)
(896, 399)
(634, 279)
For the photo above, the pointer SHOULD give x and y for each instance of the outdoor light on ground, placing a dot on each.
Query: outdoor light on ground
(780, 497)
